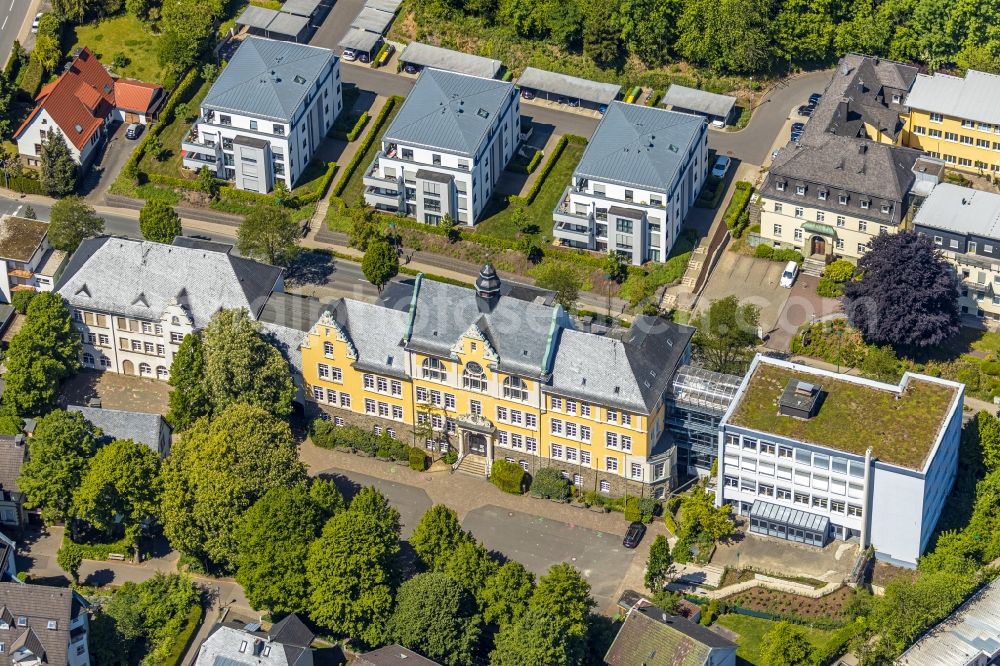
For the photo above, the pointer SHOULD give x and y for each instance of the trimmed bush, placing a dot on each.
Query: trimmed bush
(739, 202)
(549, 484)
(319, 188)
(507, 476)
(31, 79)
(764, 252)
(533, 162)
(355, 131)
(654, 98)
(355, 162)
(828, 288)
(839, 271)
(670, 522)
(328, 436)
(418, 459)
(787, 254)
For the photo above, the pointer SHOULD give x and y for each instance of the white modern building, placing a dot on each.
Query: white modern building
(810, 455)
(637, 180)
(29, 263)
(134, 301)
(266, 114)
(446, 149)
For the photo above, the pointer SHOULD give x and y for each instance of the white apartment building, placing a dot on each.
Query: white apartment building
(446, 149)
(134, 301)
(28, 261)
(266, 114)
(810, 455)
(639, 176)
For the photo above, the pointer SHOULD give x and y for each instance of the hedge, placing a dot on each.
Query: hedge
(173, 181)
(418, 459)
(26, 185)
(244, 196)
(183, 640)
(369, 139)
(741, 197)
(533, 162)
(355, 131)
(328, 436)
(654, 98)
(507, 476)
(634, 508)
(549, 484)
(319, 188)
(782, 255)
(98, 551)
(536, 187)
(670, 522)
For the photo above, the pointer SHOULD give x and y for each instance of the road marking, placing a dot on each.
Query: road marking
(11, 5)
(4, 23)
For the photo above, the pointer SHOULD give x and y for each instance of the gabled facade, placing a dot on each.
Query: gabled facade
(639, 176)
(267, 113)
(42, 626)
(29, 262)
(446, 149)
(492, 376)
(134, 301)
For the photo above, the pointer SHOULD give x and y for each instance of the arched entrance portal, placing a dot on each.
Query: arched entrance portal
(128, 368)
(818, 245)
(477, 444)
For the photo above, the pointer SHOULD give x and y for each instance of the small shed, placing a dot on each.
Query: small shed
(373, 20)
(361, 41)
(289, 27)
(717, 108)
(256, 19)
(384, 5)
(426, 55)
(568, 89)
(308, 8)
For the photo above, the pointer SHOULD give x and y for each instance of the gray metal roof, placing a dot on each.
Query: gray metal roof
(788, 516)
(289, 25)
(301, 7)
(140, 279)
(976, 97)
(222, 648)
(570, 86)
(269, 79)
(962, 210)
(373, 20)
(426, 55)
(701, 101)
(964, 637)
(640, 146)
(449, 112)
(385, 5)
(392, 655)
(256, 17)
(358, 39)
(140, 427)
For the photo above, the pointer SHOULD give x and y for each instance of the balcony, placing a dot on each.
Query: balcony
(195, 142)
(196, 161)
(372, 177)
(570, 224)
(378, 196)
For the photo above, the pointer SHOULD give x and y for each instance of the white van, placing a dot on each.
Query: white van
(789, 274)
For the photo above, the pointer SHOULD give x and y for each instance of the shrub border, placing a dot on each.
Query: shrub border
(366, 143)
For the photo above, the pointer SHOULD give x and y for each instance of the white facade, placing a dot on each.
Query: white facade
(29, 142)
(888, 506)
(79, 648)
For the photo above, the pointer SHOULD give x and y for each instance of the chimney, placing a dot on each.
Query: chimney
(844, 107)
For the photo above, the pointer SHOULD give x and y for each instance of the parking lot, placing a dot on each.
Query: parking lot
(755, 280)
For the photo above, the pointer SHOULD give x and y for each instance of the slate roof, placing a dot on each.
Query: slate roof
(376, 333)
(392, 655)
(140, 279)
(975, 97)
(449, 112)
(640, 146)
(699, 101)
(962, 210)
(222, 646)
(427, 55)
(20, 237)
(969, 633)
(269, 79)
(573, 87)
(38, 604)
(82, 97)
(650, 636)
(140, 427)
(631, 372)
(12, 451)
(286, 320)
(291, 631)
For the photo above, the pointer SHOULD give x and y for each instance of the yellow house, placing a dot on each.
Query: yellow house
(956, 120)
(497, 372)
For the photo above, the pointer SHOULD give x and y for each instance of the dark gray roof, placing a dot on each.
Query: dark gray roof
(360, 40)
(291, 631)
(392, 655)
(12, 451)
(569, 86)
(256, 17)
(252, 141)
(140, 427)
(268, 78)
(640, 146)
(372, 20)
(38, 604)
(845, 165)
(449, 112)
(426, 55)
(434, 176)
(700, 101)
(631, 372)
(140, 279)
(201, 244)
(292, 311)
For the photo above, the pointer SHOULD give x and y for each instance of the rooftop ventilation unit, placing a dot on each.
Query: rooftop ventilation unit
(799, 399)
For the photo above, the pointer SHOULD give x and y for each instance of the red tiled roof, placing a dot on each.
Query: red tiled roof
(82, 97)
(136, 96)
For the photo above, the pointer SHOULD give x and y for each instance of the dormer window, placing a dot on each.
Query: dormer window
(896, 99)
(4, 625)
(800, 190)
(843, 199)
(865, 204)
(822, 195)
(886, 208)
(22, 621)
(780, 186)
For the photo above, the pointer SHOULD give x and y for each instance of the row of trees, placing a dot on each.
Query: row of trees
(748, 36)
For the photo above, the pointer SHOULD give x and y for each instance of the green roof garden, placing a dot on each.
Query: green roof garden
(851, 417)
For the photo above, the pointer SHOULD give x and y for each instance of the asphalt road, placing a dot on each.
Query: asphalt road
(409, 501)
(12, 15)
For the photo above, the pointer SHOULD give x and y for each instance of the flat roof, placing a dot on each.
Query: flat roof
(702, 101)
(961, 210)
(427, 55)
(975, 97)
(854, 413)
(288, 24)
(372, 20)
(20, 237)
(385, 5)
(301, 7)
(256, 17)
(570, 86)
(358, 39)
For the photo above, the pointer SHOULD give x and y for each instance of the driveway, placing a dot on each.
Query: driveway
(538, 543)
(753, 280)
(103, 172)
(803, 305)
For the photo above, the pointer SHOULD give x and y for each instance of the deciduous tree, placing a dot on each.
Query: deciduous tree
(727, 335)
(380, 263)
(121, 488)
(906, 294)
(785, 644)
(159, 222)
(268, 233)
(436, 617)
(365, 226)
(658, 564)
(436, 536)
(189, 399)
(72, 220)
(471, 565)
(561, 279)
(58, 453)
(506, 594)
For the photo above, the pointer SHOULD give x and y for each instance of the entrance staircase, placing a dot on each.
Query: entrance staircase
(473, 464)
(814, 265)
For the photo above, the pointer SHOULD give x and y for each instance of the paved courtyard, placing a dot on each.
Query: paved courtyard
(803, 305)
(753, 280)
(409, 501)
(125, 392)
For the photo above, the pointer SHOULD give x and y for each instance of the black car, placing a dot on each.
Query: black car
(805, 110)
(814, 99)
(796, 136)
(798, 127)
(410, 68)
(633, 535)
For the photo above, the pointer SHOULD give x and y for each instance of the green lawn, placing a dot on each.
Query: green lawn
(170, 139)
(500, 223)
(752, 630)
(123, 34)
(355, 186)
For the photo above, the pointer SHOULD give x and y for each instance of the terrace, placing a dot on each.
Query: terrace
(900, 427)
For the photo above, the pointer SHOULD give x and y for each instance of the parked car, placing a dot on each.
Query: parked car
(798, 127)
(721, 166)
(410, 68)
(34, 24)
(806, 110)
(133, 131)
(796, 136)
(364, 56)
(634, 534)
(527, 94)
(814, 99)
(775, 153)
(789, 274)
(350, 55)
